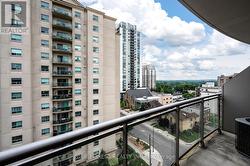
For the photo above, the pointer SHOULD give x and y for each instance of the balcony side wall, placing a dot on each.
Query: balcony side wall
(236, 100)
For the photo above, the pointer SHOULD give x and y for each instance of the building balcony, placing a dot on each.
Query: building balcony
(62, 85)
(63, 121)
(62, 62)
(62, 109)
(63, 73)
(64, 49)
(62, 37)
(59, 132)
(62, 97)
(64, 26)
(62, 13)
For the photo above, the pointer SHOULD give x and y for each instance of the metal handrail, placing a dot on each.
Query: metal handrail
(106, 129)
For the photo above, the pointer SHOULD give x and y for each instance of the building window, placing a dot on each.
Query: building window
(16, 52)
(16, 110)
(78, 124)
(77, 14)
(78, 157)
(96, 60)
(96, 101)
(16, 95)
(78, 69)
(96, 143)
(95, 18)
(44, 81)
(79, 113)
(44, 55)
(95, 112)
(78, 59)
(95, 81)
(45, 68)
(77, 36)
(78, 48)
(96, 153)
(78, 91)
(17, 124)
(45, 17)
(44, 5)
(16, 81)
(95, 70)
(45, 93)
(95, 28)
(17, 139)
(45, 43)
(95, 39)
(45, 106)
(95, 122)
(16, 37)
(16, 66)
(77, 25)
(96, 49)
(95, 91)
(45, 119)
(44, 30)
(78, 80)
(78, 102)
(45, 131)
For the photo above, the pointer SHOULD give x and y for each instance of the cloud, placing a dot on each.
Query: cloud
(152, 20)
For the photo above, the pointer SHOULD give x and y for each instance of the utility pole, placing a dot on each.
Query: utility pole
(150, 162)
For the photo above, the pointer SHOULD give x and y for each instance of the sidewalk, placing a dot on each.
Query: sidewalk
(156, 158)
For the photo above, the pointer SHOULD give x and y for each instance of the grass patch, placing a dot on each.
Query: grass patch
(189, 136)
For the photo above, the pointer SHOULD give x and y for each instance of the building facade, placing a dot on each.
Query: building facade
(130, 57)
(55, 78)
(221, 80)
(149, 77)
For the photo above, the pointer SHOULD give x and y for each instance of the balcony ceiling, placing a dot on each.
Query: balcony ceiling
(231, 17)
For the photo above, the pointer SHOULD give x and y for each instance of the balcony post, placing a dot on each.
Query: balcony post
(177, 137)
(125, 145)
(219, 114)
(202, 144)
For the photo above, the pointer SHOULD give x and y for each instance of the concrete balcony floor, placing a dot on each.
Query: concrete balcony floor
(220, 151)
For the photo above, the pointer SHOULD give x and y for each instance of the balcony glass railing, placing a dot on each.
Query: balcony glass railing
(63, 11)
(62, 84)
(62, 36)
(63, 120)
(62, 24)
(59, 132)
(64, 48)
(63, 73)
(62, 61)
(61, 109)
(62, 96)
(169, 131)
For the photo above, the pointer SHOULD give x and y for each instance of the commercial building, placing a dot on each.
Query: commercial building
(130, 57)
(221, 80)
(164, 99)
(55, 77)
(149, 77)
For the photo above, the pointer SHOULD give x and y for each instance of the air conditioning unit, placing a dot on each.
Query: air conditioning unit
(242, 131)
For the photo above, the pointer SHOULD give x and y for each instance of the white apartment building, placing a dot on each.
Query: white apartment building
(149, 76)
(61, 75)
(130, 57)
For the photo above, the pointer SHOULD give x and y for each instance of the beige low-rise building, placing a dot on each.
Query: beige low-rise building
(60, 75)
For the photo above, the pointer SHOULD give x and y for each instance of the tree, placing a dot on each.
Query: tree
(103, 160)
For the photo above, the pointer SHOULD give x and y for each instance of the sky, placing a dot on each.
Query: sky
(180, 45)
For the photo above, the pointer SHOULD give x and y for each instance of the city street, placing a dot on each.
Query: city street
(165, 146)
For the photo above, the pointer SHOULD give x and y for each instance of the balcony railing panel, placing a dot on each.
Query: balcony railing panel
(30, 154)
